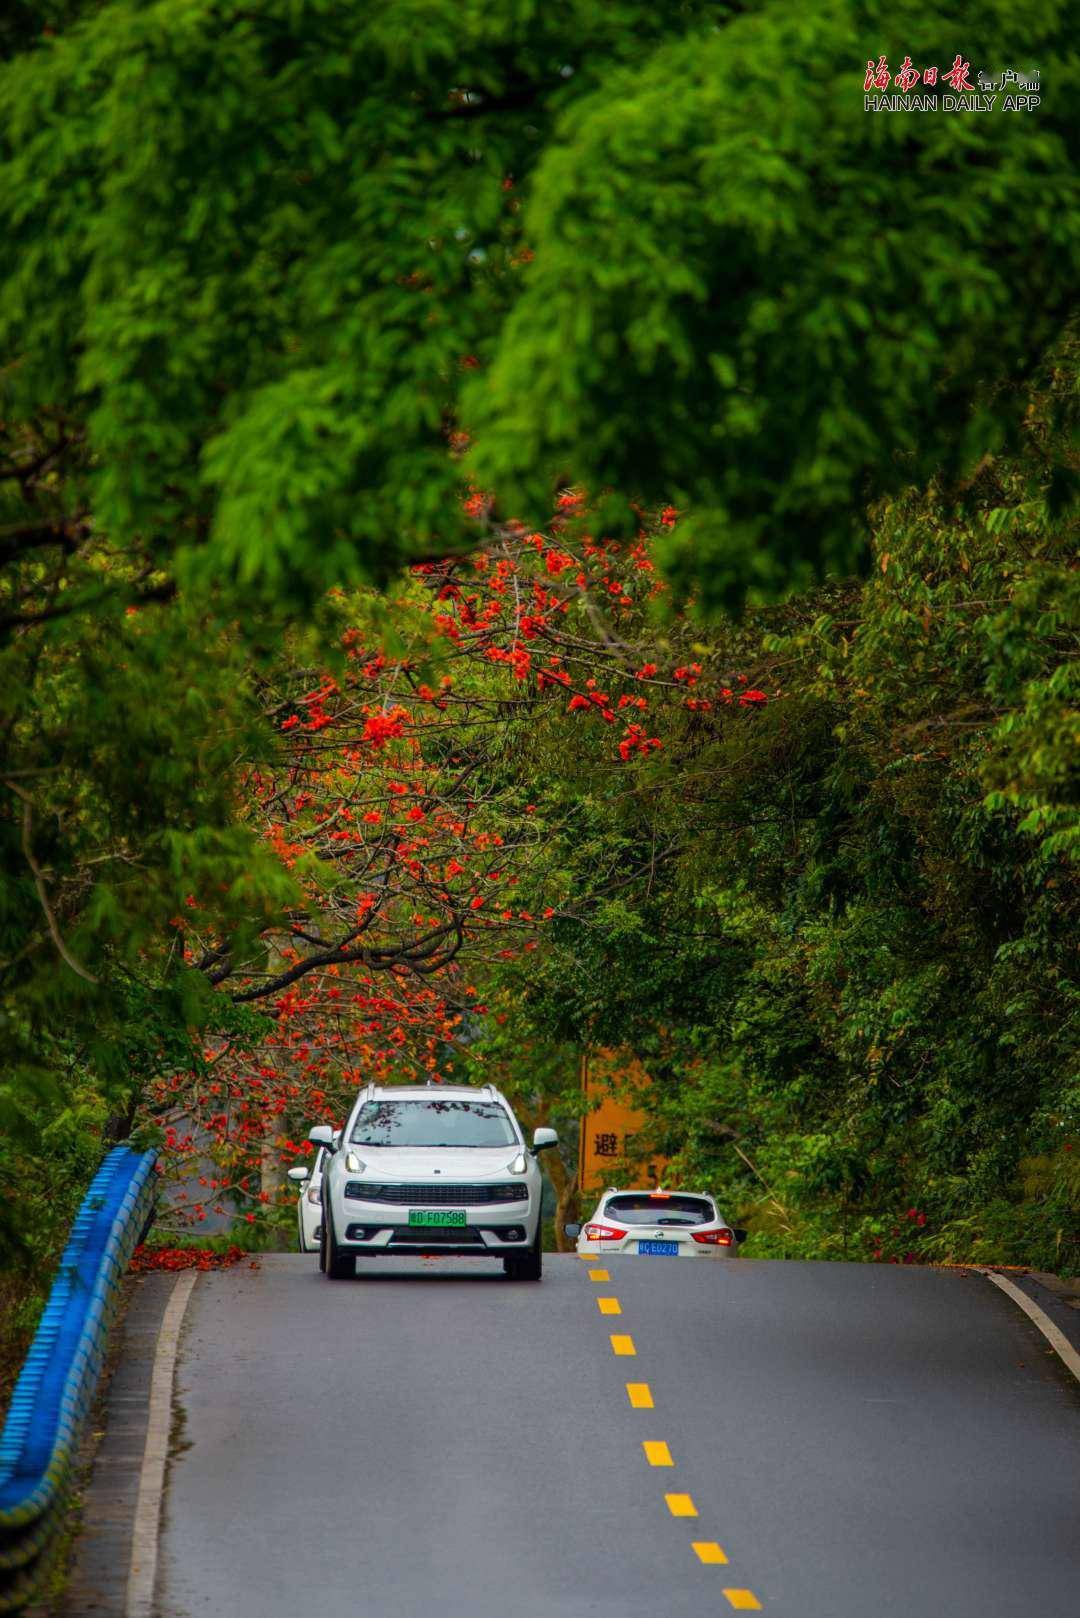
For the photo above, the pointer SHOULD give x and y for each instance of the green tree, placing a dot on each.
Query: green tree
(273, 258)
(842, 938)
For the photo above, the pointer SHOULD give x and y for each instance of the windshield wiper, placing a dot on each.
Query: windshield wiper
(434, 1145)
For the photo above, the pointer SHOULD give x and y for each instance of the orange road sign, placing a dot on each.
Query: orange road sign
(614, 1132)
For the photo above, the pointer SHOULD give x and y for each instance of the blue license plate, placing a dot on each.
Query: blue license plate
(666, 1249)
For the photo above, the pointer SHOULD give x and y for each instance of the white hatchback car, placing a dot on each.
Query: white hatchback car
(437, 1168)
(657, 1224)
(309, 1202)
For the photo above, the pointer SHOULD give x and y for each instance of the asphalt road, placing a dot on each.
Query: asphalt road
(860, 1441)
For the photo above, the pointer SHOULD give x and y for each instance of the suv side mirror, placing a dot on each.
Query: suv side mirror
(543, 1138)
(739, 1235)
(572, 1232)
(322, 1135)
(298, 1175)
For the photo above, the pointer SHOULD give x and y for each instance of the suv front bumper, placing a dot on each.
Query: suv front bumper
(403, 1239)
(375, 1226)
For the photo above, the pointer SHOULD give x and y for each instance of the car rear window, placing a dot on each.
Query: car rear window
(644, 1208)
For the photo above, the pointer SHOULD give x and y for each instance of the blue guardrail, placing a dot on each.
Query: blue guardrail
(55, 1391)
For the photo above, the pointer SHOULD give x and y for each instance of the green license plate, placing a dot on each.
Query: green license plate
(436, 1216)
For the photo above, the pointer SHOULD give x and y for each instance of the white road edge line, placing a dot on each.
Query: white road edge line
(144, 1537)
(1057, 1339)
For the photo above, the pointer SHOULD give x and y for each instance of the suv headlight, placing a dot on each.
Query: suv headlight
(520, 1165)
(353, 1164)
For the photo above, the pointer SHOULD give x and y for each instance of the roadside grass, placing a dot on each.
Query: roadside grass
(22, 1298)
(28, 1274)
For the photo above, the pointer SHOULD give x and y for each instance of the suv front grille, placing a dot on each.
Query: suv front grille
(437, 1196)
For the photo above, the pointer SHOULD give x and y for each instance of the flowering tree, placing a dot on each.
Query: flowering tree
(394, 798)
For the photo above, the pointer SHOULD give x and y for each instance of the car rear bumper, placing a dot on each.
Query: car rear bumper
(686, 1250)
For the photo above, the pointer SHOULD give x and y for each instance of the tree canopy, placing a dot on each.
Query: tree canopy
(276, 258)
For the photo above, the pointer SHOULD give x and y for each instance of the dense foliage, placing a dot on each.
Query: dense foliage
(851, 967)
(270, 256)
(294, 295)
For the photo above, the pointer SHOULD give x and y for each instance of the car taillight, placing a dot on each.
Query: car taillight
(719, 1238)
(602, 1233)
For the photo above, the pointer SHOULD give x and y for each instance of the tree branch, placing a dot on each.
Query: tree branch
(424, 956)
(19, 538)
(39, 884)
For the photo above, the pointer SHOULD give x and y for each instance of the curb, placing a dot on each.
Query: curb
(1058, 1322)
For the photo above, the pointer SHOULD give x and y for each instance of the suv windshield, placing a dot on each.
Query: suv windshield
(643, 1208)
(433, 1122)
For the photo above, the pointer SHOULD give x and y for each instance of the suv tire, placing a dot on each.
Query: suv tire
(527, 1266)
(334, 1263)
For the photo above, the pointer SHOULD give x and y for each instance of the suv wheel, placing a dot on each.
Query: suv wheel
(527, 1266)
(339, 1266)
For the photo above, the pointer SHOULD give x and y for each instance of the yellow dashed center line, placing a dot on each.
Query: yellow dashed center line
(707, 1550)
(657, 1452)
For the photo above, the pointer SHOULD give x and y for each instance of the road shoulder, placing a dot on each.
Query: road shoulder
(98, 1580)
(1050, 1304)
(1059, 1299)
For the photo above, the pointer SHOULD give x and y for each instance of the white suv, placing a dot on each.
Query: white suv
(437, 1168)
